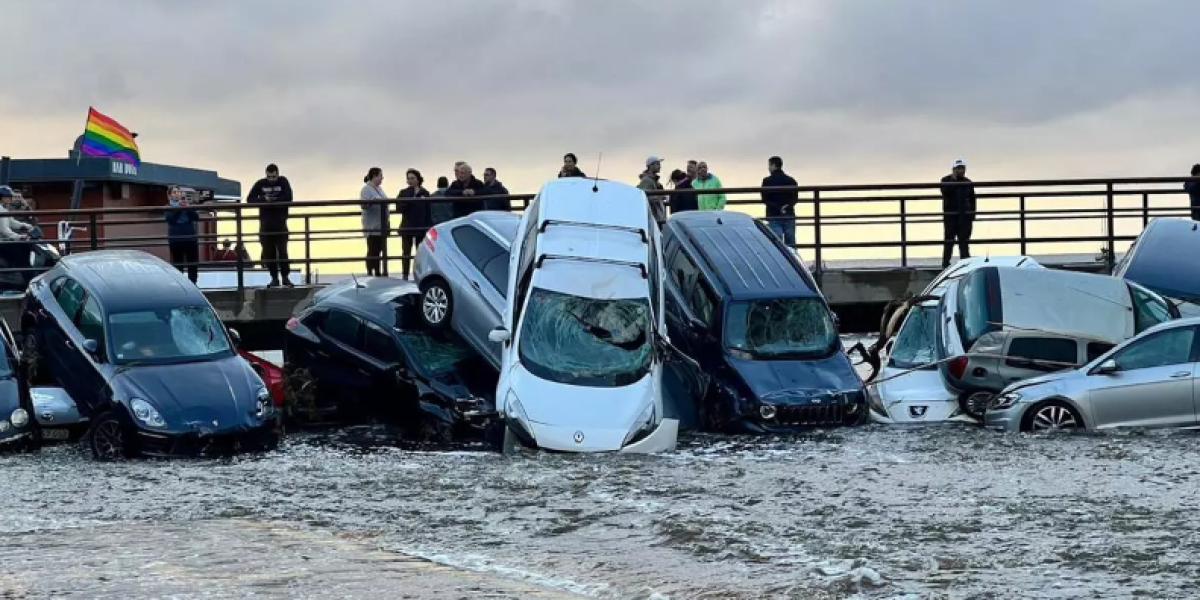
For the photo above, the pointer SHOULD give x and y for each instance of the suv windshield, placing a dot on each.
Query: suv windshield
(915, 345)
(585, 341)
(437, 350)
(781, 328)
(170, 335)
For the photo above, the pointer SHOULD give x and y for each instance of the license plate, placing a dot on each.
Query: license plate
(55, 434)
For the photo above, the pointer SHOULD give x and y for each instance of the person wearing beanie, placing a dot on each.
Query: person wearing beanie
(958, 212)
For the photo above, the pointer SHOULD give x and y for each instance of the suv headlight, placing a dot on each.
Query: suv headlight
(146, 413)
(1005, 401)
(265, 406)
(643, 427)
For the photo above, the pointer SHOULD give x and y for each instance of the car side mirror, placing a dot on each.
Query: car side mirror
(1107, 367)
(236, 337)
(499, 335)
(91, 347)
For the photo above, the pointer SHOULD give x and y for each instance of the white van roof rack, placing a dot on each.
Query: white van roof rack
(639, 266)
(638, 230)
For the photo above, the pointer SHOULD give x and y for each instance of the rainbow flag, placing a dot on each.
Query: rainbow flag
(104, 137)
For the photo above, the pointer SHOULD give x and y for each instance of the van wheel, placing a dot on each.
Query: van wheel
(436, 303)
(1051, 416)
(35, 366)
(109, 439)
(974, 404)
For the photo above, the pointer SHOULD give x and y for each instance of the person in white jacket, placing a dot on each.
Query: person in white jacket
(12, 230)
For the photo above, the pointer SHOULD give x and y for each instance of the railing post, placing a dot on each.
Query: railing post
(1021, 221)
(307, 251)
(817, 265)
(241, 267)
(1145, 209)
(383, 259)
(903, 231)
(93, 235)
(1110, 206)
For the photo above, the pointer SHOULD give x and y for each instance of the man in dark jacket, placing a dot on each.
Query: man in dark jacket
(465, 186)
(273, 194)
(1193, 190)
(958, 212)
(682, 201)
(781, 204)
(491, 187)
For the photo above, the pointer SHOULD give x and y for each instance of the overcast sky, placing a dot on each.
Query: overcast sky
(844, 90)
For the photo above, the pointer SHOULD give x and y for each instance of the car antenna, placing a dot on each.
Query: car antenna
(356, 283)
(596, 175)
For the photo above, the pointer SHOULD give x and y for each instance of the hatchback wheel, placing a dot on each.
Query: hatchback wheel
(974, 404)
(108, 438)
(32, 357)
(1052, 417)
(435, 303)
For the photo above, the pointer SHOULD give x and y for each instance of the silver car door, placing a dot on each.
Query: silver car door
(1153, 386)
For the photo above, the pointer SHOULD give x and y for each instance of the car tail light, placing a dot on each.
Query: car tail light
(430, 237)
(958, 366)
(292, 323)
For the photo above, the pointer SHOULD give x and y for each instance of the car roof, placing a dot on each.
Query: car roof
(746, 260)
(374, 297)
(614, 204)
(130, 280)
(959, 269)
(1153, 259)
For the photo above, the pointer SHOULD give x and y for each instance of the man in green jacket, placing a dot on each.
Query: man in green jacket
(707, 181)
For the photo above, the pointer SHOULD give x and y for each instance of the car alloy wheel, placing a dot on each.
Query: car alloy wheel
(1052, 417)
(435, 304)
(108, 440)
(977, 404)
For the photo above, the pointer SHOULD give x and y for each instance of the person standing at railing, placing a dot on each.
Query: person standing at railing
(465, 186)
(685, 200)
(958, 212)
(781, 204)
(570, 167)
(416, 215)
(440, 212)
(648, 182)
(273, 194)
(492, 187)
(181, 234)
(1193, 190)
(16, 256)
(707, 181)
(374, 219)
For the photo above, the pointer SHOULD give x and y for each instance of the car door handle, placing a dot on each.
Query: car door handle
(475, 284)
(1181, 374)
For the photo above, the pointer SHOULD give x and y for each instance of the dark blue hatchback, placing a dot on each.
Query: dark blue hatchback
(742, 305)
(144, 357)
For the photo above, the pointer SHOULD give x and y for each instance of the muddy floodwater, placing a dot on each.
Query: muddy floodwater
(873, 512)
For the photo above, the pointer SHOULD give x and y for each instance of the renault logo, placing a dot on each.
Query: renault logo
(578, 437)
(917, 412)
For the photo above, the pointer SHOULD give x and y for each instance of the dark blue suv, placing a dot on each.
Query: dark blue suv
(742, 305)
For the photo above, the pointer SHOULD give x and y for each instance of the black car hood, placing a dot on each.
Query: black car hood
(200, 395)
(773, 377)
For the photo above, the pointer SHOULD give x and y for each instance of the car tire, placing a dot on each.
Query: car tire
(35, 365)
(437, 303)
(1051, 415)
(109, 439)
(974, 404)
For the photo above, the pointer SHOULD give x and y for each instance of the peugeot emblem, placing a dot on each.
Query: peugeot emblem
(917, 412)
(578, 437)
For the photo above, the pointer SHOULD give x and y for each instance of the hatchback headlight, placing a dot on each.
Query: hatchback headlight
(1005, 401)
(19, 418)
(513, 411)
(146, 414)
(875, 402)
(643, 427)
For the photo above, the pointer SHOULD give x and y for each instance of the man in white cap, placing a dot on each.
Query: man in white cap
(649, 183)
(958, 212)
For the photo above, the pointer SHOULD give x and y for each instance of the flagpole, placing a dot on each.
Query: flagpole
(77, 186)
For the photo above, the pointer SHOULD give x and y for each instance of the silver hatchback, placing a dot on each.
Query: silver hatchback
(462, 269)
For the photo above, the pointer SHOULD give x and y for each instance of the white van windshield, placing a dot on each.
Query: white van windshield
(781, 328)
(585, 341)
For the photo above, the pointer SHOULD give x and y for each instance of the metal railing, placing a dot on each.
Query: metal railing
(896, 222)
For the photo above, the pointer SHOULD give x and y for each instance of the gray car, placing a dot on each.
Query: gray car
(1147, 381)
(462, 269)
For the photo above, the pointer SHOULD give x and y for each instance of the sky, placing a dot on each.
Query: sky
(847, 91)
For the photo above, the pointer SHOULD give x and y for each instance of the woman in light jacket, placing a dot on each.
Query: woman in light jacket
(374, 219)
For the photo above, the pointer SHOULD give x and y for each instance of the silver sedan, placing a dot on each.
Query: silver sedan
(1147, 381)
(462, 269)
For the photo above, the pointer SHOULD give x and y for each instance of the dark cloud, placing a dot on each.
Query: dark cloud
(345, 83)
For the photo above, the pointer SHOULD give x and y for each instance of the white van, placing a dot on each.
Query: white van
(584, 333)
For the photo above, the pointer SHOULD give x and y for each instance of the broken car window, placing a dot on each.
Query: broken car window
(781, 328)
(915, 345)
(586, 341)
(183, 334)
(438, 350)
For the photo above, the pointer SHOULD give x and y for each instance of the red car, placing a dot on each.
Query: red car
(271, 374)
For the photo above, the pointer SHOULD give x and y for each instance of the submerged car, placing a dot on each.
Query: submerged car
(358, 352)
(1165, 258)
(909, 387)
(16, 426)
(750, 315)
(462, 269)
(142, 354)
(1001, 325)
(1148, 381)
(584, 336)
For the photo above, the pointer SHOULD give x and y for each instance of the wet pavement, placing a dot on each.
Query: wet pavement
(931, 512)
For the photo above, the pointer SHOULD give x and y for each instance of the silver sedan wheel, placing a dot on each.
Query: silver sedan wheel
(435, 304)
(1054, 416)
